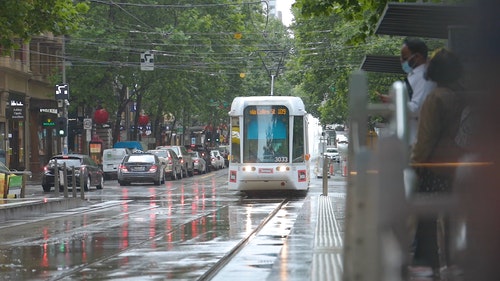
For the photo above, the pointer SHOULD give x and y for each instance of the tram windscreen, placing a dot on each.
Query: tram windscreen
(266, 134)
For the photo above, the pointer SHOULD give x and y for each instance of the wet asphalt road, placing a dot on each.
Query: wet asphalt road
(176, 231)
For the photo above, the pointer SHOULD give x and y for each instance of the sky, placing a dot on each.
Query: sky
(284, 6)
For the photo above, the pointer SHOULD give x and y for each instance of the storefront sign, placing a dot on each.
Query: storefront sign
(16, 110)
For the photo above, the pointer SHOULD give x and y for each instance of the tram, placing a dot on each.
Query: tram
(269, 144)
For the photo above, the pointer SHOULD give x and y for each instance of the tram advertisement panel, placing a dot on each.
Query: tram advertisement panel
(266, 133)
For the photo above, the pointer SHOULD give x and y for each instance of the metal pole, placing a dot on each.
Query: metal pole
(73, 181)
(272, 84)
(65, 180)
(65, 102)
(325, 175)
(56, 178)
(82, 189)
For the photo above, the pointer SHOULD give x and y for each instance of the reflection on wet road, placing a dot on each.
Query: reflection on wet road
(175, 231)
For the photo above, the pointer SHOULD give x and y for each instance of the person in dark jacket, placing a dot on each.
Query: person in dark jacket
(435, 150)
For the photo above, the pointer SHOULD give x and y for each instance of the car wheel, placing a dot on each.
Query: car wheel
(122, 183)
(46, 188)
(86, 185)
(162, 181)
(174, 175)
(101, 183)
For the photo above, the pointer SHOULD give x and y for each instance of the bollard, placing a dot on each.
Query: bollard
(56, 178)
(23, 187)
(65, 180)
(325, 176)
(82, 189)
(73, 182)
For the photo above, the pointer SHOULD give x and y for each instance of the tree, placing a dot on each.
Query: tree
(21, 20)
(198, 58)
(323, 60)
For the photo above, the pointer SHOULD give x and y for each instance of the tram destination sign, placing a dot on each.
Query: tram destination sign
(268, 111)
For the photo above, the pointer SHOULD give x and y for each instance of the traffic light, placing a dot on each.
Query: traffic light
(217, 137)
(62, 126)
(208, 136)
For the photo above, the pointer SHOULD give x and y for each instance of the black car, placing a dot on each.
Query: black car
(141, 167)
(83, 164)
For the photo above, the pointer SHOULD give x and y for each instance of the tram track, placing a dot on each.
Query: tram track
(208, 275)
(74, 273)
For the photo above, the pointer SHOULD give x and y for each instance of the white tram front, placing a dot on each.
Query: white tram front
(269, 144)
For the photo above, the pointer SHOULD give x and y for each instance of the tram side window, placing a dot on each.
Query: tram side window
(298, 139)
(235, 140)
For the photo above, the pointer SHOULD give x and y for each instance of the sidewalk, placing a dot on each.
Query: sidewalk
(313, 250)
(15, 208)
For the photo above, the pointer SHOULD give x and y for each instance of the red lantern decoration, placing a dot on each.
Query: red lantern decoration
(101, 116)
(143, 120)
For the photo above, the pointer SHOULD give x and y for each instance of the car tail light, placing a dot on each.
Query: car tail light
(169, 160)
(153, 168)
(182, 160)
(123, 168)
(196, 161)
(45, 168)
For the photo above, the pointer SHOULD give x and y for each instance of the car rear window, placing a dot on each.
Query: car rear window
(70, 162)
(141, 158)
(114, 155)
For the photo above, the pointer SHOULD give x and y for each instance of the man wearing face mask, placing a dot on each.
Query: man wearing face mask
(413, 62)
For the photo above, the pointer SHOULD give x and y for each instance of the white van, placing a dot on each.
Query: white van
(111, 159)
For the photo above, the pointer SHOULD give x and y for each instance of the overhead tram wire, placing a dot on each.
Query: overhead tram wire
(178, 6)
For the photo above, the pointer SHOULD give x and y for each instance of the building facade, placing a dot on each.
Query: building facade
(28, 108)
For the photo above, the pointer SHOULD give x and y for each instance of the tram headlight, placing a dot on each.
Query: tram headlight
(282, 168)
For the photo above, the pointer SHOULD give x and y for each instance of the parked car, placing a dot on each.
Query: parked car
(172, 163)
(84, 165)
(200, 166)
(182, 153)
(141, 167)
(111, 159)
(224, 151)
(332, 153)
(203, 152)
(342, 139)
(217, 161)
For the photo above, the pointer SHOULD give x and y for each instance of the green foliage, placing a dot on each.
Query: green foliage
(323, 59)
(21, 20)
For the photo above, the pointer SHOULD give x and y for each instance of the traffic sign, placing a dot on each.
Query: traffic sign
(62, 91)
(147, 61)
(87, 124)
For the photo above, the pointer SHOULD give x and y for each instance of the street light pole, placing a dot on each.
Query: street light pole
(65, 101)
